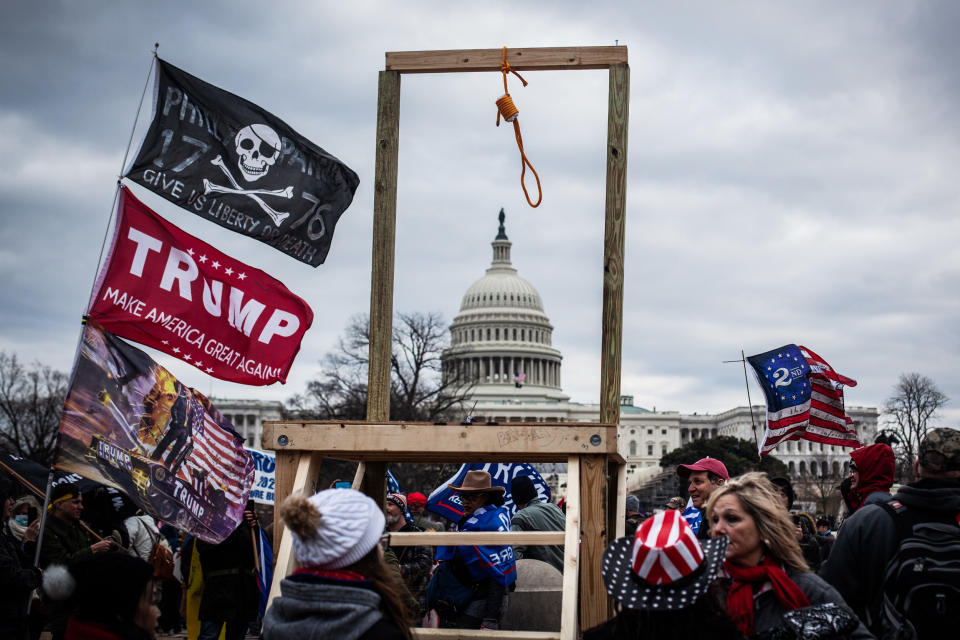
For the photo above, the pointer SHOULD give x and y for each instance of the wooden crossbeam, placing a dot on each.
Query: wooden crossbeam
(521, 59)
(422, 442)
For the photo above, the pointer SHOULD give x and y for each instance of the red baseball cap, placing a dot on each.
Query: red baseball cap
(417, 498)
(704, 464)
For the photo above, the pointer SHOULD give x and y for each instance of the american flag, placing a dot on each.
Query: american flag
(218, 457)
(804, 398)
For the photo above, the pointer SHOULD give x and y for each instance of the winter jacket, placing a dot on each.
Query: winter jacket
(314, 608)
(229, 583)
(415, 563)
(18, 578)
(143, 534)
(868, 539)
(64, 542)
(768, 612)
(876, 466)
(540, 516)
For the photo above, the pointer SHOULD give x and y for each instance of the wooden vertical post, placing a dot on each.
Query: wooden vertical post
(571, 553)
(305, 474)
(613, 241)
(600, 514)
(593, 525)
(381, 285)
(285, 471)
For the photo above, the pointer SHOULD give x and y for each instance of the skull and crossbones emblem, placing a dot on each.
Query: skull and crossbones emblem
(257, 147)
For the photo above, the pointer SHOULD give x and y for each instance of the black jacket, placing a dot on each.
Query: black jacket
(18, 577)
(229, 582)
(868, 539)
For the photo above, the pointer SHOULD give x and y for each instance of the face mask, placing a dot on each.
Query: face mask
(21, 520)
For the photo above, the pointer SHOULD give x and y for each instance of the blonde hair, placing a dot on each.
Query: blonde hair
(758, 497)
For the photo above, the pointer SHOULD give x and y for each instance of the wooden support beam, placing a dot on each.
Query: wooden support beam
(618, 110)
(422, 442)
(593, 540)
(619, 503)
(521, 59)
(384, 241)
(284, 474)
(308, 466)
(571, 554)
(358, 476)
(467, 538)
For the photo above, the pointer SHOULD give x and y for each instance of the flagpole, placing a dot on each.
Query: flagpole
(746, 382)
(43, 517)
(126, 154)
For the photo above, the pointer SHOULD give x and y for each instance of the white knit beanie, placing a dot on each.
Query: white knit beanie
(332, 529)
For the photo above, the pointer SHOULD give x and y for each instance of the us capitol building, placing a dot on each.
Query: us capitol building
(501, 342)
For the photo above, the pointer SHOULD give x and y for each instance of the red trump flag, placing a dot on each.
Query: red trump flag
(168, 290)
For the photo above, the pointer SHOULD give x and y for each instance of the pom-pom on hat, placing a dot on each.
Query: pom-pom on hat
(663, 567)
(332, 529)
(103, 587)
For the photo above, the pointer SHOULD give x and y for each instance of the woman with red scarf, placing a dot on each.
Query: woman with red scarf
(767, 574)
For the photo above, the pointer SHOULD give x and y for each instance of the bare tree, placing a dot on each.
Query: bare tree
(823, 489)
(418, 391)
(31, 401)
(912, 406)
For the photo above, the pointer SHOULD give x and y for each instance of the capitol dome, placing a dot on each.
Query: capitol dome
(501, 338)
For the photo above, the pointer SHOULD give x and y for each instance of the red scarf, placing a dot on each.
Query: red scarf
(335, 574)
(740, 596)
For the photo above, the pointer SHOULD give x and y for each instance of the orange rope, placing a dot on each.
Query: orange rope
(509, 111)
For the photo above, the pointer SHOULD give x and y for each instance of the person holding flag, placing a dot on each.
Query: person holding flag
(470, 587)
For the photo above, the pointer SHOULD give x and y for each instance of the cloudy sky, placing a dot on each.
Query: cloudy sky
(790, 175)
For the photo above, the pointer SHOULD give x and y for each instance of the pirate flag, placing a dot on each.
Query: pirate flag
(225, 159)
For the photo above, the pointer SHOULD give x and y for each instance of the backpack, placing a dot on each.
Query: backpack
(920, 594)
(161, 557)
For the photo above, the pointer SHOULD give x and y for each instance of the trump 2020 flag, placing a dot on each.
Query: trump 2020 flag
(445, 502)
(693, 516)
(166, 289)
(227, 160)
(129, 423)
(804, 398)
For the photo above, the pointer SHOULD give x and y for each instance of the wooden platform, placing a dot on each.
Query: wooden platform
(596, 479)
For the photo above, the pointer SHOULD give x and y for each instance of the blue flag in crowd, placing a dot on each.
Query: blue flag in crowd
(693, 516)
(445, 502)
(486, 561)
(265, 574)
(394, 487)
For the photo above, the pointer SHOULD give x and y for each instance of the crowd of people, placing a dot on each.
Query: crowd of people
(735, 561)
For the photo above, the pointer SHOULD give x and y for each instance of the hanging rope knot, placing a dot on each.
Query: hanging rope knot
(508, 110)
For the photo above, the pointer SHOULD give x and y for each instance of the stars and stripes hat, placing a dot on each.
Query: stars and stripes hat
(663, 567)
